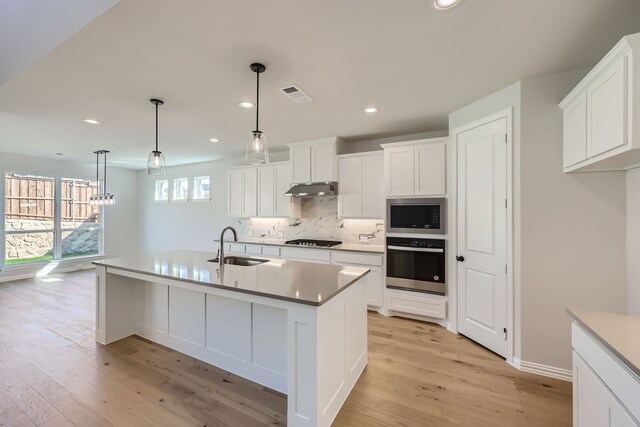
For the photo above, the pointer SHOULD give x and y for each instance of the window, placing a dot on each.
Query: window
(162, 190)
(201, 188)
(180, 189)
(49, 219)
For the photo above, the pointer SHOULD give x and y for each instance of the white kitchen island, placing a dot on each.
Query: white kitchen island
(298, 328)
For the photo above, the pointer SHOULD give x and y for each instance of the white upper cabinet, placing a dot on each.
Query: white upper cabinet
(361, 189)
(416, 168)
(598, 113)
(258, 191)
(430, 169)
(575, 131)
(314, 161)
(249, 191)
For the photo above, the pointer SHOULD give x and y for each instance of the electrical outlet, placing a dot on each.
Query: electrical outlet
(364, 238)
(280, 235)
(249, 233)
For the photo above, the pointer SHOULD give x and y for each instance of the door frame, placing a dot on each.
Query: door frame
(452, 325)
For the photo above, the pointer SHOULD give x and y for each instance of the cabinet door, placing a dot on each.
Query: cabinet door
(350, 190)
(607, 109)
(282, 183)
(323, 157)
(234, 193)
(300, 163)
(594, 404)
(373, 200)
(398, 171)
(430, 169)
(266, 191)
(575, 131)
(375, 285)
(250, 188)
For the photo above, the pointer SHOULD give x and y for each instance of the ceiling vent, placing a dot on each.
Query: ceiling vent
(295, 94)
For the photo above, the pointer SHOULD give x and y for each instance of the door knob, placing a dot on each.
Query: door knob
(460, 258)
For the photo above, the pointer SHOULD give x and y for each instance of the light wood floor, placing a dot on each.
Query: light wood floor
(52, 373)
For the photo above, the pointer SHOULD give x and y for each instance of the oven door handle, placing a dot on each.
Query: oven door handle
(412, 249)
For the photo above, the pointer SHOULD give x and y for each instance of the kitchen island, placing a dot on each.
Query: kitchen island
(298, 328)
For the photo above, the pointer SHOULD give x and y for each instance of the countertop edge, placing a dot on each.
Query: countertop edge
(623, 360)
(333, 248)
(227, 288)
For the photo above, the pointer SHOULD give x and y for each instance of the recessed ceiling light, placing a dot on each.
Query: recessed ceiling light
(91, 121)
(246, 104)
(371, 110)
(445, 4)
(214, 139)
(59, 154)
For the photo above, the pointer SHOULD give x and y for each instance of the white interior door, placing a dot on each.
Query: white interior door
(482, 235)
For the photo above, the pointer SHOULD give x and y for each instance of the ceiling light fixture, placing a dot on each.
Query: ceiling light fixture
(156, 164)
(445, 4)
(371, 110)
(257, 150)
(102, 198)
(214, 140)
(91, 121)
(246, 104)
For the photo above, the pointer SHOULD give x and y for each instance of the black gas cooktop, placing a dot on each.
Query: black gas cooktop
(309, 242)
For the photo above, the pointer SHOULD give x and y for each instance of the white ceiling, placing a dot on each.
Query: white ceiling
(415, 64)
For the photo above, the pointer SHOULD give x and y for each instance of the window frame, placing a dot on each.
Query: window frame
(57, 225)
(193, 190)
(155, 185)
(173, 190)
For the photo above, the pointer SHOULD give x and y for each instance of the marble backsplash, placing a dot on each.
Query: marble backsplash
(319, 220)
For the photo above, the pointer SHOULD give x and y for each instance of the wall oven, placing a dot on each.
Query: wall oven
(416, 264)
(423, 216)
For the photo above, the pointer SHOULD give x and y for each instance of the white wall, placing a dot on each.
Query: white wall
(633, 241)
(573, 229)
(569, 229)
(192, 225)
(121, 220)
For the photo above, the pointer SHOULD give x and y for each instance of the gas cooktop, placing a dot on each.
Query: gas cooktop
(309, 242)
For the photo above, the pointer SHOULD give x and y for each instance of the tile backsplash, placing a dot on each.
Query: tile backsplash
(319, 220)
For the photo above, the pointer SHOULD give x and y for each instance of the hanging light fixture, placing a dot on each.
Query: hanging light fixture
(257, 149)
(156, 165)
(103, 198)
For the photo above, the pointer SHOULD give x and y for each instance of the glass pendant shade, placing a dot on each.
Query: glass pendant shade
(257, 150)
(156, 165)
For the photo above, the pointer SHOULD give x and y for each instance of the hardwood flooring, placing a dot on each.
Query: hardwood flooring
(52, 373)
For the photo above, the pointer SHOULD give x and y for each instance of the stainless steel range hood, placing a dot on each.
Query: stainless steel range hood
(313, 189)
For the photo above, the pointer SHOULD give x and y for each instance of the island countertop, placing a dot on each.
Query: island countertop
(617, 332)
(301, 282)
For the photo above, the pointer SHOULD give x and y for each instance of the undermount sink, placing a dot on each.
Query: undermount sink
(242, 261)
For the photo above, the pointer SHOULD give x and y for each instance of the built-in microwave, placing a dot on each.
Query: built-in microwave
(422, 216)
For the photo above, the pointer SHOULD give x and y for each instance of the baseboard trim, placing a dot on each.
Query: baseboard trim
(29, 275)
(544, 370)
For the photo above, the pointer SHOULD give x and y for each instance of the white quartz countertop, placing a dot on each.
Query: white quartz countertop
(301, 282)
(353, 247)
(619, 333)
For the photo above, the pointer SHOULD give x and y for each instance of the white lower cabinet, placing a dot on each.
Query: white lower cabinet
(605, 392)
(375, 278)
(416, 303)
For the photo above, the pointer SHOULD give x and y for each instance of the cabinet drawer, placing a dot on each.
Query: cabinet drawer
(416, 303)
(254, 249)
(312, 255)
(273, 251)
(624, 384)
(237, 248)
(352, 258)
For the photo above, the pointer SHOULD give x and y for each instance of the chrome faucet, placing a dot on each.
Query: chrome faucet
(235, 239)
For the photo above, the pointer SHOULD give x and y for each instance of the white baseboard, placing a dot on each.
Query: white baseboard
(34, 273)
(544, 370)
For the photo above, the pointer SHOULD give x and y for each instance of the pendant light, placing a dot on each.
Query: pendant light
(257, 149)
(156, 165)
(103, 198)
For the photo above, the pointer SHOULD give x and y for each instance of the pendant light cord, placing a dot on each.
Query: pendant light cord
(257, 100)
(156, 127)
(105, 173)
(98, 171)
